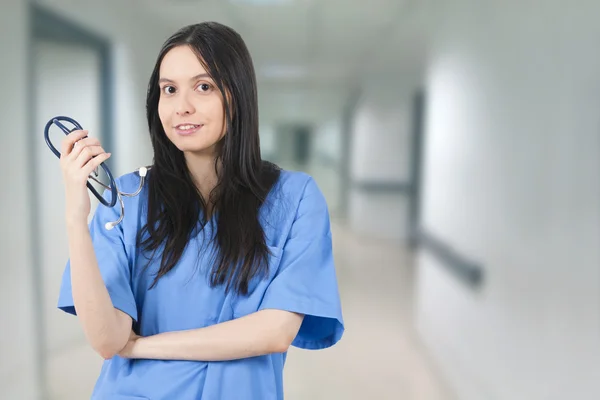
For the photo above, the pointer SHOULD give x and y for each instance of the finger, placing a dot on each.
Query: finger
(88, 153)
(87, 141)
(79, 148)
(80, 145)
(69, 140)
(95, 162)
(90, 150)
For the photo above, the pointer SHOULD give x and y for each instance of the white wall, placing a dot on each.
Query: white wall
(512, 180)
(18, 374)
(380, 152)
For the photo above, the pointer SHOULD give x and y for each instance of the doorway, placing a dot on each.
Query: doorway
(70, 74)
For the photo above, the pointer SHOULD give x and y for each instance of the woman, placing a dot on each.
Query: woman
(222, 262)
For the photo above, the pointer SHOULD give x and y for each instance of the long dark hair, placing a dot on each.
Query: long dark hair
(175, 205)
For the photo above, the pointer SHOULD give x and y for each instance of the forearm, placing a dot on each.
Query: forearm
(105, 327)
(264, 332)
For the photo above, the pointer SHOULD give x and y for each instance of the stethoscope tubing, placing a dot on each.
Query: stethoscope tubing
(112, 187)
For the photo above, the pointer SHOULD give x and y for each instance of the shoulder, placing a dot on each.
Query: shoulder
(297, 184)
(297, 209)
(295, 191)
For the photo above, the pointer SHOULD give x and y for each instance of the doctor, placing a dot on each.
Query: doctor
(221, 263)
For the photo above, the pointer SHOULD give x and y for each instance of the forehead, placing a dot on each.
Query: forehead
(180, 62)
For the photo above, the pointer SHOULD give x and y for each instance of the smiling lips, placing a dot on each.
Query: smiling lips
(187, 129)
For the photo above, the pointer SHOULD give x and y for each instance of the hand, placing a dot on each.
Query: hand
(80, 156)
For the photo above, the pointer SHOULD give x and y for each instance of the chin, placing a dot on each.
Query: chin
(198, 150)
(197, 145)
(189, 146)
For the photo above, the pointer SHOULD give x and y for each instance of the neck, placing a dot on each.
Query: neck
(202, 169)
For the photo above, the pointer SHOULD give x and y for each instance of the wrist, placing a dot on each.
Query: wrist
(136, 347)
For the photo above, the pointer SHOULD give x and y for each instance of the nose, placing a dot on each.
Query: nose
(185, 106)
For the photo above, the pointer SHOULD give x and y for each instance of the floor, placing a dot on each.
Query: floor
(378, 357)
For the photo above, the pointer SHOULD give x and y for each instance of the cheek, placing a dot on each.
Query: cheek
(217, 114)
(223, 124)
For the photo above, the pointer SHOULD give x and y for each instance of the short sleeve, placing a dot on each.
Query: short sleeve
(306, 281)
(113, 263)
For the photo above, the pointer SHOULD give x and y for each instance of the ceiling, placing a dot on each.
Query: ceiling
(311, 55)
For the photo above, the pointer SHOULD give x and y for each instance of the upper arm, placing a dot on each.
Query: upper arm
(290, 324)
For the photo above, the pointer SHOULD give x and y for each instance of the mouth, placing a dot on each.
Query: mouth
(187, 129)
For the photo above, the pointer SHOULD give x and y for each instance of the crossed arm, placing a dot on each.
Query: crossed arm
(108, 329)
(263, 332)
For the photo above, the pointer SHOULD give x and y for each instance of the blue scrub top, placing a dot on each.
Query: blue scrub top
(302, 279)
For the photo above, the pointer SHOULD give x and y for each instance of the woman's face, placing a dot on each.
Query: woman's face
(190, 106)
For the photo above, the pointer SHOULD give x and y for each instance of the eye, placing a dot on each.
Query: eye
(204, 87)
(168, 89)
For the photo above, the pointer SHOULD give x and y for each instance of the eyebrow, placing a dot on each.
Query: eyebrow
(203, 75)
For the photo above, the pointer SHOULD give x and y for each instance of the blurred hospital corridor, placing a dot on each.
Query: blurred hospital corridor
(457, 146)
(379, 358)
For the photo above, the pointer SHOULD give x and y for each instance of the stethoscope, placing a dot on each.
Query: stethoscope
(115, 193)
